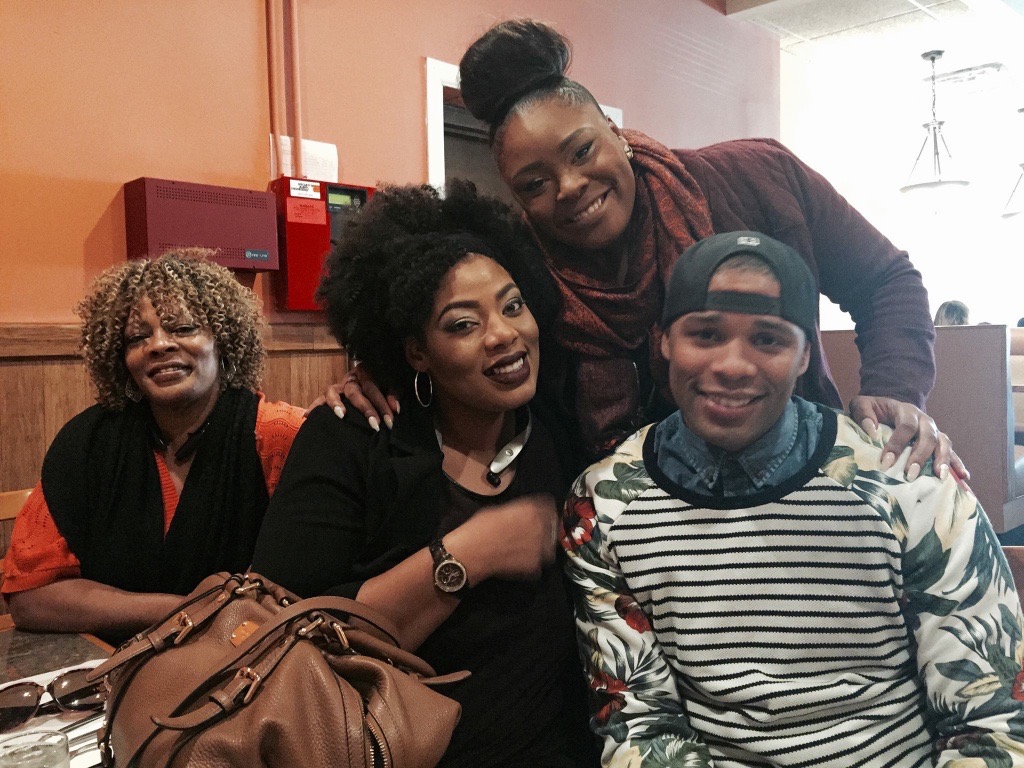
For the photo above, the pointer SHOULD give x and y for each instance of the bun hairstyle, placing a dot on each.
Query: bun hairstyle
(514, 64)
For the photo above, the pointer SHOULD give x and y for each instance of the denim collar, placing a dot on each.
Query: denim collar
(771, 459)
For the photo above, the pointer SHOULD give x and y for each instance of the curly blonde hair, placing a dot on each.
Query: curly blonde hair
(180, 278)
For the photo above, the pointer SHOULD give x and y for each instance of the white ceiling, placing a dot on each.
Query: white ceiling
(888, 36)
(854, 99)
(800, 23)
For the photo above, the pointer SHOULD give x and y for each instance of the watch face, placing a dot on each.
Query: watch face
(450, 576)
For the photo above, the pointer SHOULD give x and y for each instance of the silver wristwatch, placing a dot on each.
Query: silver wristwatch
(449, 574)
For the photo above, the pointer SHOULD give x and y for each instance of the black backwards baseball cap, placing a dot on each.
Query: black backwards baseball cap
(687, 289)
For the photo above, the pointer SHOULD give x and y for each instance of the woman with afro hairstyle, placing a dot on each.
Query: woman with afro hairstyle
(446, 522)
(166, 479)
(613, 209)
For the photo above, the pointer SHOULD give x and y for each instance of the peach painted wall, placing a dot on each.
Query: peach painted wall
(93, 94)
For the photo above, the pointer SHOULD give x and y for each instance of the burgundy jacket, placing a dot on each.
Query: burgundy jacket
(758, 184)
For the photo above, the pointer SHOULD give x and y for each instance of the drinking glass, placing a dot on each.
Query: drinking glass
(35, 749)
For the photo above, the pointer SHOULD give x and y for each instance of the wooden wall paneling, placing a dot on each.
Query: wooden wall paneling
(303, 380)
(22, 404)
(334, 366)
(301, 361)
(67, 392)
(276, 383)
(300, 377)
(37, 397)
(325, 368)
(38, 340)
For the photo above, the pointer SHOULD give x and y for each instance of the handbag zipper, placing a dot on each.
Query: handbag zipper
(378, 754)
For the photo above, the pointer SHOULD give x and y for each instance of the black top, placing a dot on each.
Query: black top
(103, 490)
(352, 503)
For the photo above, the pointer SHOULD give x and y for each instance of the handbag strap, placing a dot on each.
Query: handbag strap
(357, 639)
(358, 610)
(234, 693)
(238, 690)
(174, 628)
(180, 623)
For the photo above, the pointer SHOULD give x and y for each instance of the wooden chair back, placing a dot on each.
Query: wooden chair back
(11, 502)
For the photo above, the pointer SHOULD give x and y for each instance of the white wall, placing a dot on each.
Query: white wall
(853, 109)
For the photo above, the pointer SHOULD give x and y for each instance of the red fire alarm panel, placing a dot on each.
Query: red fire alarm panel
(239, 223)
(311, 215)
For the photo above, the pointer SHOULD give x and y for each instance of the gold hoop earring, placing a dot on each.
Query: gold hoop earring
(629, 149)
(416, 390)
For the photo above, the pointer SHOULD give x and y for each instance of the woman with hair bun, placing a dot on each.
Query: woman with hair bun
(614, 208)
(446, 522)
(166, 479)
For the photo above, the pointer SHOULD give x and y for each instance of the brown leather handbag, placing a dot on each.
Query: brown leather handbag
(245, 674)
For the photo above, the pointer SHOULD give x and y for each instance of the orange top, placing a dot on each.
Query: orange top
(39, 555)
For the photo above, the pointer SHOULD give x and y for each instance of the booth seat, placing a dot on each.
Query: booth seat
(1017, 381)
(972, 402)
(1017, 385)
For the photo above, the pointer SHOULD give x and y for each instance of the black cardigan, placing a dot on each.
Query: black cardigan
(353, 503)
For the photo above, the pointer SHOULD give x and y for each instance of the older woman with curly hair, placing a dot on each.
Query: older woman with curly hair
(166, 479)
(446, 522)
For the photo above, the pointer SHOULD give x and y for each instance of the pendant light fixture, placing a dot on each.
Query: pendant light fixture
(933, 139)
(1015, 203)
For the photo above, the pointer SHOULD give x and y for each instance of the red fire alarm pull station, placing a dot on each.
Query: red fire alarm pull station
(310, 217)
(239, 223)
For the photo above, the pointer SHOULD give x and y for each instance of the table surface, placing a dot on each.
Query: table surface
(30, 653)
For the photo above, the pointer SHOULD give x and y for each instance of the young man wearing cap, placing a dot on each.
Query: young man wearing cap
(753, 588)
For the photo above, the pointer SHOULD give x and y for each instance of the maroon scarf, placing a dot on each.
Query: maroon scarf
(605, 324)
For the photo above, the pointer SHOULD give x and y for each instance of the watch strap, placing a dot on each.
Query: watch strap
(437, 551)
(441, 555)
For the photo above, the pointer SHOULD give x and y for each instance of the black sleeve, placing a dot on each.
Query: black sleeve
(315, 526)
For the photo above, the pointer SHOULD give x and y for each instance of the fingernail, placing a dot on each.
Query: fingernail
(943, 471)
(913, 471)
(398, 407)
(388, 421)
(339, 412)
(374, 423)
(868, 426)
(888, 459)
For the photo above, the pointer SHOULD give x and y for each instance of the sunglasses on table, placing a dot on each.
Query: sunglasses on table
(70, 692)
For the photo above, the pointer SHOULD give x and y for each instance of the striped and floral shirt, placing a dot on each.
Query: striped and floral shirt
(846, 617)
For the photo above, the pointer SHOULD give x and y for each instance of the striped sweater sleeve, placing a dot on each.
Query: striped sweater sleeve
(637, 708)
